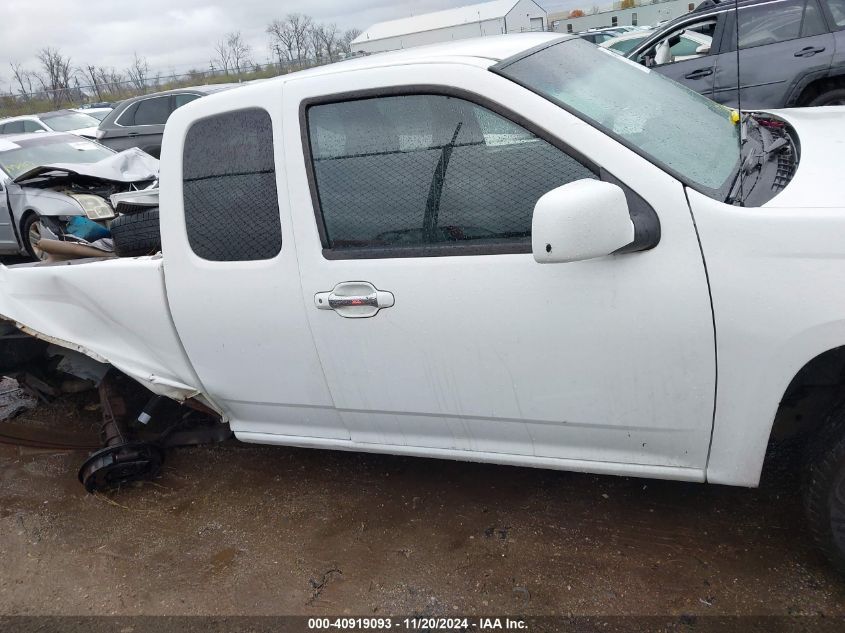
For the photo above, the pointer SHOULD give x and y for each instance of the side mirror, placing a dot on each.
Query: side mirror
(580, 220)
(704, 49)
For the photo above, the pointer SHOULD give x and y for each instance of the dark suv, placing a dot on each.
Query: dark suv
(792, 52)
(139, 122)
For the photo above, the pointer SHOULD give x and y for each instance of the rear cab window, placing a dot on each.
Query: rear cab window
(229, 187)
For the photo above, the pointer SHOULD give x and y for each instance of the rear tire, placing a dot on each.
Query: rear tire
(136, 234)
(829, 98)
(824, 488)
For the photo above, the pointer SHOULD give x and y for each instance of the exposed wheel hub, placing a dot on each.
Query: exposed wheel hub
(115, 465)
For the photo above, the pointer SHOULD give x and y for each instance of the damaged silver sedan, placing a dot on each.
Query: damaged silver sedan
(55, 192)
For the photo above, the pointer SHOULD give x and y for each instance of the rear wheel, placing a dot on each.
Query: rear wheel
(829, 98)
(824, 492)
(32, 233)
(136, 234)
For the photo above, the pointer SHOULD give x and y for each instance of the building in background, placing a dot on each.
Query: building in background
(487, 18)
(645, 13)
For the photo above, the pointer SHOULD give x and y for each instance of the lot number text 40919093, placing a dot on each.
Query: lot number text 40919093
(418, 624)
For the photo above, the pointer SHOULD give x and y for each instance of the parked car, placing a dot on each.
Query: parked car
(71, 121)
(47, 179)
(791, 52)
(688, 46)
(517, 249)
(139, 122)
(97, 113)
(597, 36)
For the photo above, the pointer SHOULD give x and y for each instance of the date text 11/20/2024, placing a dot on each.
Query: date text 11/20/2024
(418, 623)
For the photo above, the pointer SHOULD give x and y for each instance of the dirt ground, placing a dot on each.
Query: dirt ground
(239, 529)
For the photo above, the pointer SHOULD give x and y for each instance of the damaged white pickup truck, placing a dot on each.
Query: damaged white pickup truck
(521, 249)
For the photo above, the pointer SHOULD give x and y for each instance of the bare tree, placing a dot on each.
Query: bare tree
(314, 42)
(325, 39)
(240, 52)
(57, 74)
(300, 26)
(345, 43)
(111, 81)
(93, 76)
(23, 78)
(292, 35)
(224, 55)
(282, 39)
(139, 72)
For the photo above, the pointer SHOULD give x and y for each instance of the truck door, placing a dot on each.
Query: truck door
(231, 273)
(438, 332)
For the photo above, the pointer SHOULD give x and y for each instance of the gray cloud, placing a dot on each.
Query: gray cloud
(174, 34)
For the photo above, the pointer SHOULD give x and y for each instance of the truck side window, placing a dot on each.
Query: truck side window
(229, 187)
(420, 170)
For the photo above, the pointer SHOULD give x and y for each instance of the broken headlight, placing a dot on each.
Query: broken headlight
(95, 207)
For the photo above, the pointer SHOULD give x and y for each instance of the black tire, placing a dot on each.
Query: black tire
(26, 228)
(830, 97)
(136, 234)
(824, 488)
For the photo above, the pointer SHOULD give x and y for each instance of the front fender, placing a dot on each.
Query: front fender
(776, 277)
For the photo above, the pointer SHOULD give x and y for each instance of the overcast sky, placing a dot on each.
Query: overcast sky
(176, 35)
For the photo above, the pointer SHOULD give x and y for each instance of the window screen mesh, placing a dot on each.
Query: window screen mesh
(229, 187)
(424, 169)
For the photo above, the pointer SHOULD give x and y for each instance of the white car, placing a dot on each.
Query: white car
(97, 113)
(691, 45)
(520, 249)
(71, 121)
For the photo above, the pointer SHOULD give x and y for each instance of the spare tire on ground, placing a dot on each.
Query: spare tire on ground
(136, 234)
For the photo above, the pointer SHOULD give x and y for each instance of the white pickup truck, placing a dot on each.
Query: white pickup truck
(519, 249)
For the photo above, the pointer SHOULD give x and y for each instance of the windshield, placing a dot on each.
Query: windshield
(674, 127)
(20, 156)
(69, 121)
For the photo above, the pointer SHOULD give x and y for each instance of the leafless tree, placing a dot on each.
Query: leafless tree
(345, 43)
(281, 39)
(300, 26)
(224, 55)
(292, 35)
(111, 81)
(325, 39)
(92, 75)
(139, 72)
(56, 74)
(23, 78)
(240, 52)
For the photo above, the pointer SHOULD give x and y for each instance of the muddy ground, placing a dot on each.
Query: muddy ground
(241, 529)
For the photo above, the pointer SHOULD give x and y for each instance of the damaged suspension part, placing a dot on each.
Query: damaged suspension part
(133, 451)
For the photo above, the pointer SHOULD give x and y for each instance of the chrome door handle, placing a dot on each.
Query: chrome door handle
(354, 299)
(336, 302)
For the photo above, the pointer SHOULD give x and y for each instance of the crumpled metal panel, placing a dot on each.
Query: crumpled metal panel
(131, 165)
(114, 311)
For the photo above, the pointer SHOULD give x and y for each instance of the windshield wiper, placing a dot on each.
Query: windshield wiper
(435, 191)
(765, 148)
